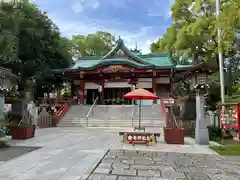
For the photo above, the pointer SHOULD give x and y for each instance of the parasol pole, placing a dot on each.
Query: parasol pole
(140, 112)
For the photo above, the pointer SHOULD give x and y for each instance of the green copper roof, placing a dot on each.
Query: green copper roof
(179, 66)
(158, 60)
(120, 55)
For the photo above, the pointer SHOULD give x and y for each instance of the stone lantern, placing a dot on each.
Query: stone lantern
(200, 81)
(200, 86)
(8, 81)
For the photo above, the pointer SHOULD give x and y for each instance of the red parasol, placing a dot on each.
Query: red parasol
(140, 94)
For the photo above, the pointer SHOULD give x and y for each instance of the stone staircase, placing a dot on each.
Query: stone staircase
(113, 116)
(76, 116)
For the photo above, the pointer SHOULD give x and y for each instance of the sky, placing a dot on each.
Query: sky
(137, 22)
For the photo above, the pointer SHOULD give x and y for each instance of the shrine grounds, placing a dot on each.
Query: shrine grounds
(99, 154)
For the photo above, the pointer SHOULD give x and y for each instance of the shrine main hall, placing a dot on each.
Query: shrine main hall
(109, 77)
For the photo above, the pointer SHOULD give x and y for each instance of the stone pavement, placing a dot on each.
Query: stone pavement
(66, 154)
(73, 154)
(150, 165)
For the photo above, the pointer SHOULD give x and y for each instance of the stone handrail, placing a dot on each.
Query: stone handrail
(91, 108)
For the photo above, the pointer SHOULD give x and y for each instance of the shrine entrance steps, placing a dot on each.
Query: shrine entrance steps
(113, 116)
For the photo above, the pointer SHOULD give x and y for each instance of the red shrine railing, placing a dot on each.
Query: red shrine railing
(61, 110)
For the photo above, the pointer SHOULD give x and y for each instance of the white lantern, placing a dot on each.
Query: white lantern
(133, 87)
(100, 88)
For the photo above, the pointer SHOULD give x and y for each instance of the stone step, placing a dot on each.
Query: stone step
(70, 124)
(112, 116)
(124, 123)
(111, 123)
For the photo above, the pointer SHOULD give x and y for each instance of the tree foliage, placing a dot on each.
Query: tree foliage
(193, 34)
(194, 30)
(30, 43)
(97, 44)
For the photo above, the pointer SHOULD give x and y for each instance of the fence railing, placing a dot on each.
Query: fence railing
(44, 118)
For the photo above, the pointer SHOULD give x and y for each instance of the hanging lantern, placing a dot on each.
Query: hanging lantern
(133, 87)
(99, 88)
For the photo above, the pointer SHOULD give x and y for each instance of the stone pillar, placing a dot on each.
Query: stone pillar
(2, 118)
(133, 87)
(201, 131)
(81, 92)
(2, 100)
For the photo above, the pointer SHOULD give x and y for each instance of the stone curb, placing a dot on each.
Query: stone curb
(90, 170)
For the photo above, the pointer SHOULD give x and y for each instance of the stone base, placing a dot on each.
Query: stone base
(5, 139)
(202, 136)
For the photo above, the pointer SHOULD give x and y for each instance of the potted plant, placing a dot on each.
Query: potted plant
(24, 129)
(173, 134)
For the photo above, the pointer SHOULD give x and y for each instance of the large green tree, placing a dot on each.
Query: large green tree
(193, 35)
(32, 43)
(194, 30)
(10, 19)
(96, 44)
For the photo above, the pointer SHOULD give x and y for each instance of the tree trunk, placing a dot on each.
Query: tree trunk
(58, 94)
(19, 106)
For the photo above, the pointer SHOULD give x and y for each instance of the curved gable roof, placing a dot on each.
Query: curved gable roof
(120, 46)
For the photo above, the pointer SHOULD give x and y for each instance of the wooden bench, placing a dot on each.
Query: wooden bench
(139, 137)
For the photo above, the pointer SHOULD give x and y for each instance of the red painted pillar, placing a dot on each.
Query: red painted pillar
(81, 92)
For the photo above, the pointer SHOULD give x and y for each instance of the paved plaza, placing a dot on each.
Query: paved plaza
(66, 154)
(151, 165)
(78, 154)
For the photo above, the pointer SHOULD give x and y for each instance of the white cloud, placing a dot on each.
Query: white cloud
(86, 25)
(161, 8)
(141, 38)
(77, 7)
(83, 5)
(118, 3)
